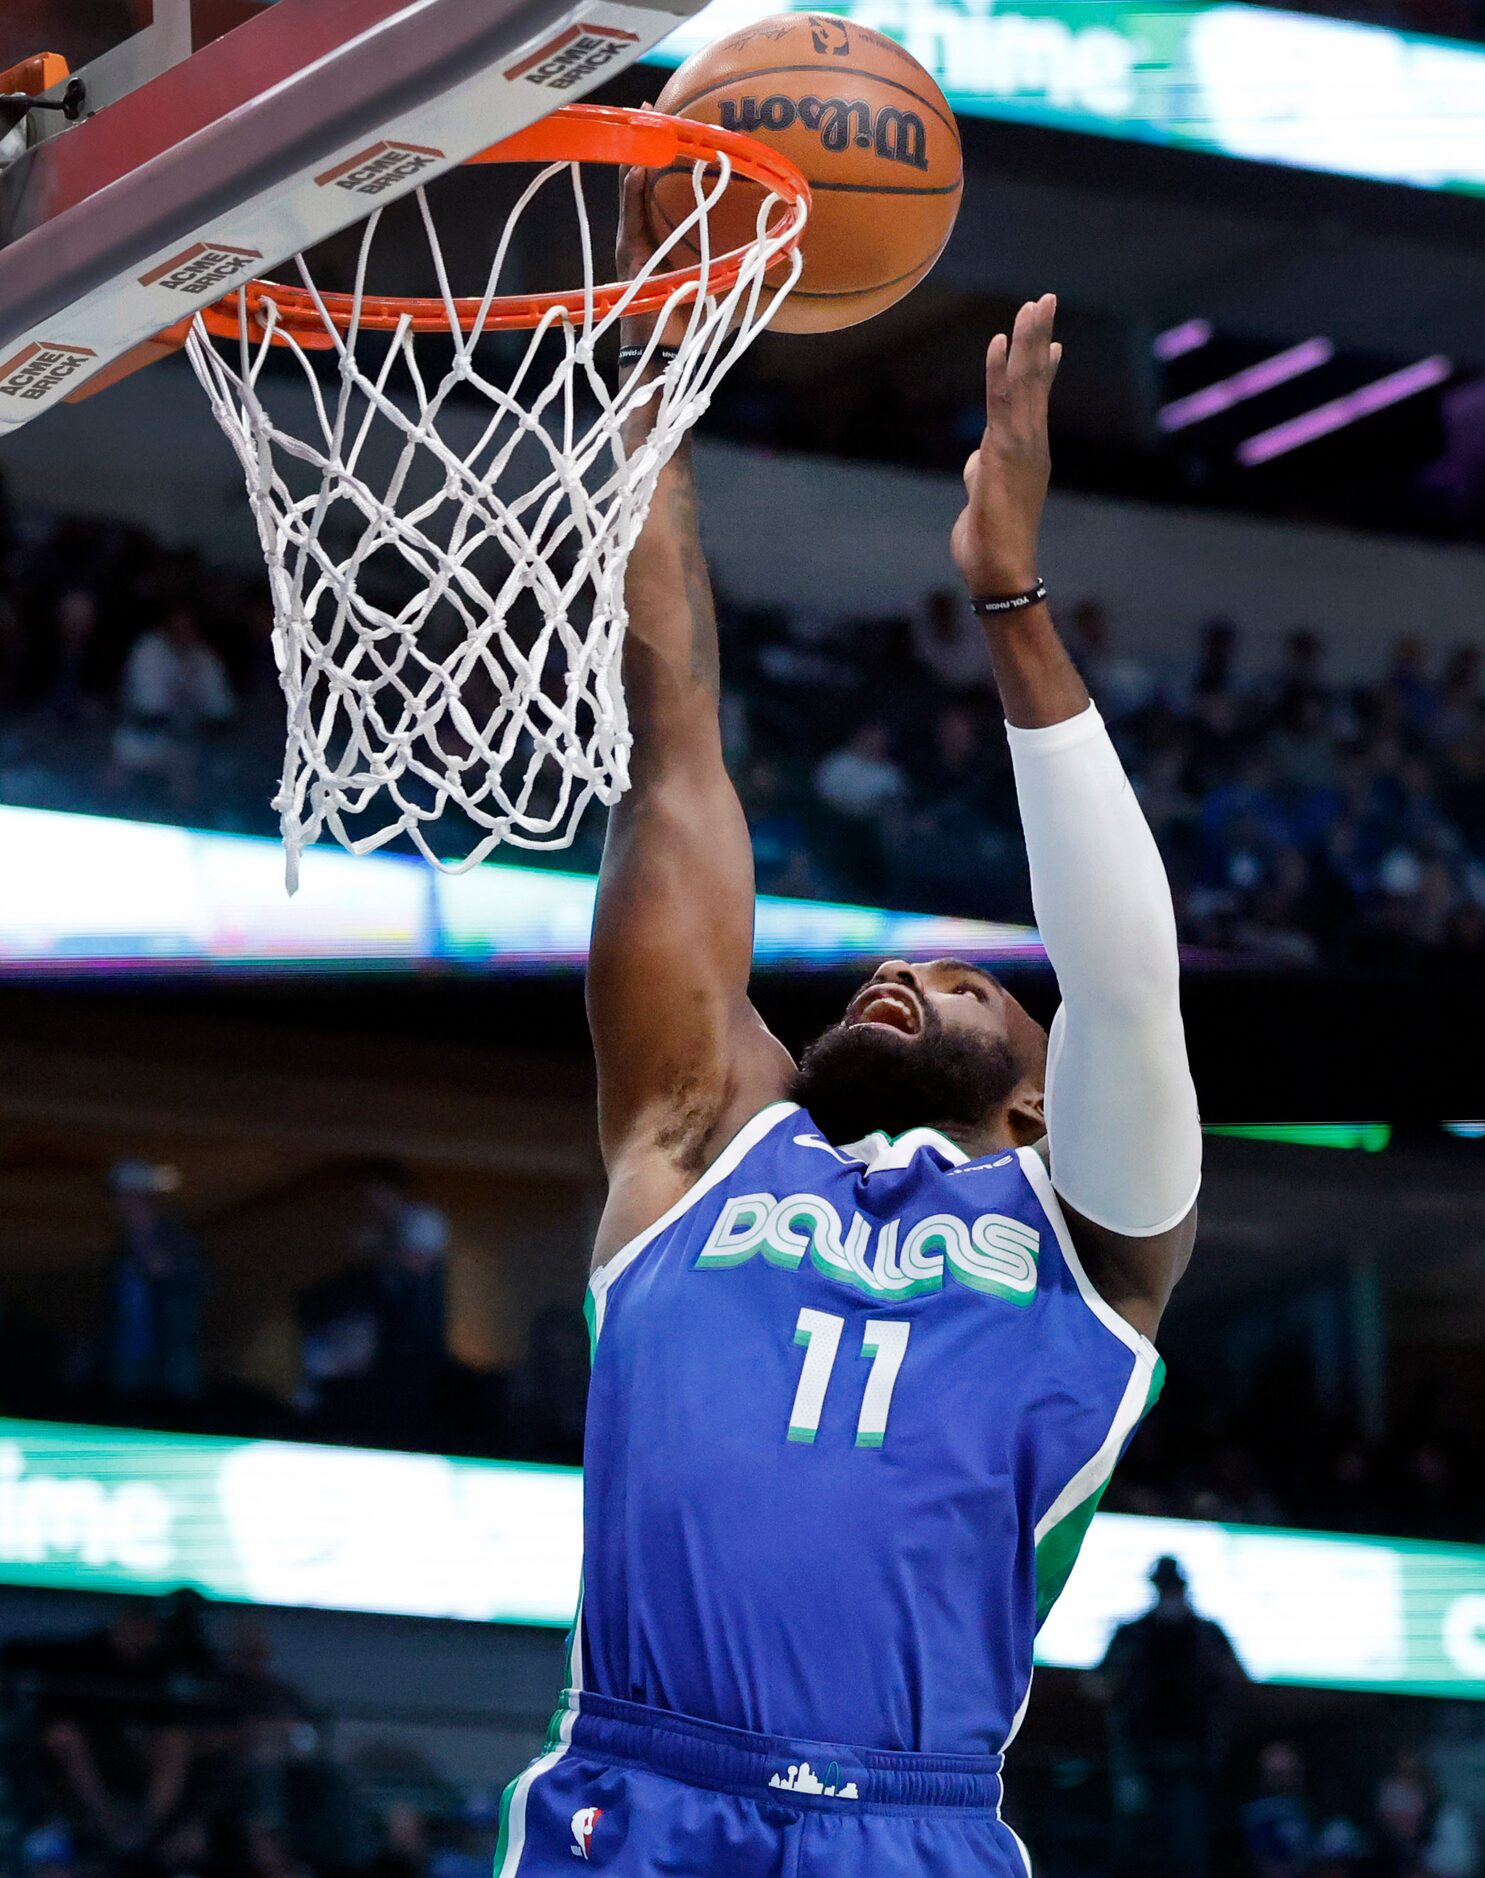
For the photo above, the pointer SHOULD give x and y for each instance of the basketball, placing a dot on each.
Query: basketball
(870, 130)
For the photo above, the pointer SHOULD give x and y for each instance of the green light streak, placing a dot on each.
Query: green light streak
(1370, 1137)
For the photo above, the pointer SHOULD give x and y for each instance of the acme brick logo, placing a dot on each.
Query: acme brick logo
(202, 269)
(382, 167)
(41, 369)
(573, 56)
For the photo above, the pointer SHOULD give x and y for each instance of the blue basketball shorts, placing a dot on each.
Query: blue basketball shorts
(629, 1789)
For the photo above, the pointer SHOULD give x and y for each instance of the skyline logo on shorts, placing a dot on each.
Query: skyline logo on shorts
(804, 1779)
(583, 1822)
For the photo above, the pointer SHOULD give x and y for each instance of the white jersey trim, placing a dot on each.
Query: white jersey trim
(741, 1144)
(1097, 1469)
(1020, 1714)
(515, 1842)
(1040, 1181)
(879, 1151)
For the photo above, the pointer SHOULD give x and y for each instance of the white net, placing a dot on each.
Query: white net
(446, 543)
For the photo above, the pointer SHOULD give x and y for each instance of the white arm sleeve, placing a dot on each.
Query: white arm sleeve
(1122, 1122)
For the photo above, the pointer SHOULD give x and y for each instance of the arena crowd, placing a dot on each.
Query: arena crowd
(1306, 819)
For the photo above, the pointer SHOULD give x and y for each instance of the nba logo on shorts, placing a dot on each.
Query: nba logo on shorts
(583, 1822)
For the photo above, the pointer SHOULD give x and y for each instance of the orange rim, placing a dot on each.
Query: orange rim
(583, 133)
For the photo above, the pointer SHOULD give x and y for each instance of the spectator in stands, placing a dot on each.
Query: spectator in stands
(1171, 1680)
(337, 1349)
(1215, 675)
(861, 778)
(1408, 687)
(784, 856)
(1460, 689)
(1341, 1851)
(1299, 681)
(148, 1355)
(375, 1344)
(109, 1730)
(173, 697)
(958, 842)
(256, 1796)
(549, 1395)
(1420, 1833)
(74, 631)
(864, 790)
(1363, 840)
(475, 1841)
(1277, 1827)
(1121, 683)
(310, 1816)
(948, 642)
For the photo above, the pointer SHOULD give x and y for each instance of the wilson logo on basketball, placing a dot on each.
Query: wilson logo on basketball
(898, 136)
(573, 56)
(202, 269)
(41, 369)
(381, 167)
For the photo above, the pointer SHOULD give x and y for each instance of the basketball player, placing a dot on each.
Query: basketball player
(870, 1331)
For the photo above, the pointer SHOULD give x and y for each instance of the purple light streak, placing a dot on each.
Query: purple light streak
(1343, 411)
(1250, 383)
(1183, 338)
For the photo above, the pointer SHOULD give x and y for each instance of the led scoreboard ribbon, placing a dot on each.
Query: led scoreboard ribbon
(349, 1529)
(1231, 79)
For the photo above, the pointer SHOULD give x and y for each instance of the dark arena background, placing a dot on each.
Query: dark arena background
(297, 1197)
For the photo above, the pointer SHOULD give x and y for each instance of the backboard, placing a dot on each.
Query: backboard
(215, 138)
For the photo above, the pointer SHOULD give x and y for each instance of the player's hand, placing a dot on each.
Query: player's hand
(635, 246)
(1005, 482)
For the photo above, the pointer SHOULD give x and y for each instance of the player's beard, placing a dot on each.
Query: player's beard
(858, 1078)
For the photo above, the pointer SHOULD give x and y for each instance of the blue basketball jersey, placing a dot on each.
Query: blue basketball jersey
(851, 1413)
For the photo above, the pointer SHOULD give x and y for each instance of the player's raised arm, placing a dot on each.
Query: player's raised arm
(683, 1059)
(1122, 1122)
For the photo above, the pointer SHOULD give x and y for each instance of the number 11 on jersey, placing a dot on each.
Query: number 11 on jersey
(818, 1333)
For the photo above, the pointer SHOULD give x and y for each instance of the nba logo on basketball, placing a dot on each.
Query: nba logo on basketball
(583, 1822)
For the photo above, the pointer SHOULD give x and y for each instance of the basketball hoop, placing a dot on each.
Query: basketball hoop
(447, 555)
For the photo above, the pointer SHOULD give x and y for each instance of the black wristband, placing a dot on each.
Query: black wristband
(665, 355)
(1013, 603)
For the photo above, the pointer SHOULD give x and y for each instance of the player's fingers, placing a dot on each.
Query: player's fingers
(633, 243)
(1047, 320)
(996, 360)
(631, 193)
(1031, 343)
(1056, 358)
(1021, 339)
(632, 176)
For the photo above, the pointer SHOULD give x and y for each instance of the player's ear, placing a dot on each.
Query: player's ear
(1027, 1115)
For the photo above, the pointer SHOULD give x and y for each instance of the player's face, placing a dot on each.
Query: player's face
(914, 999)
(920, 1045)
